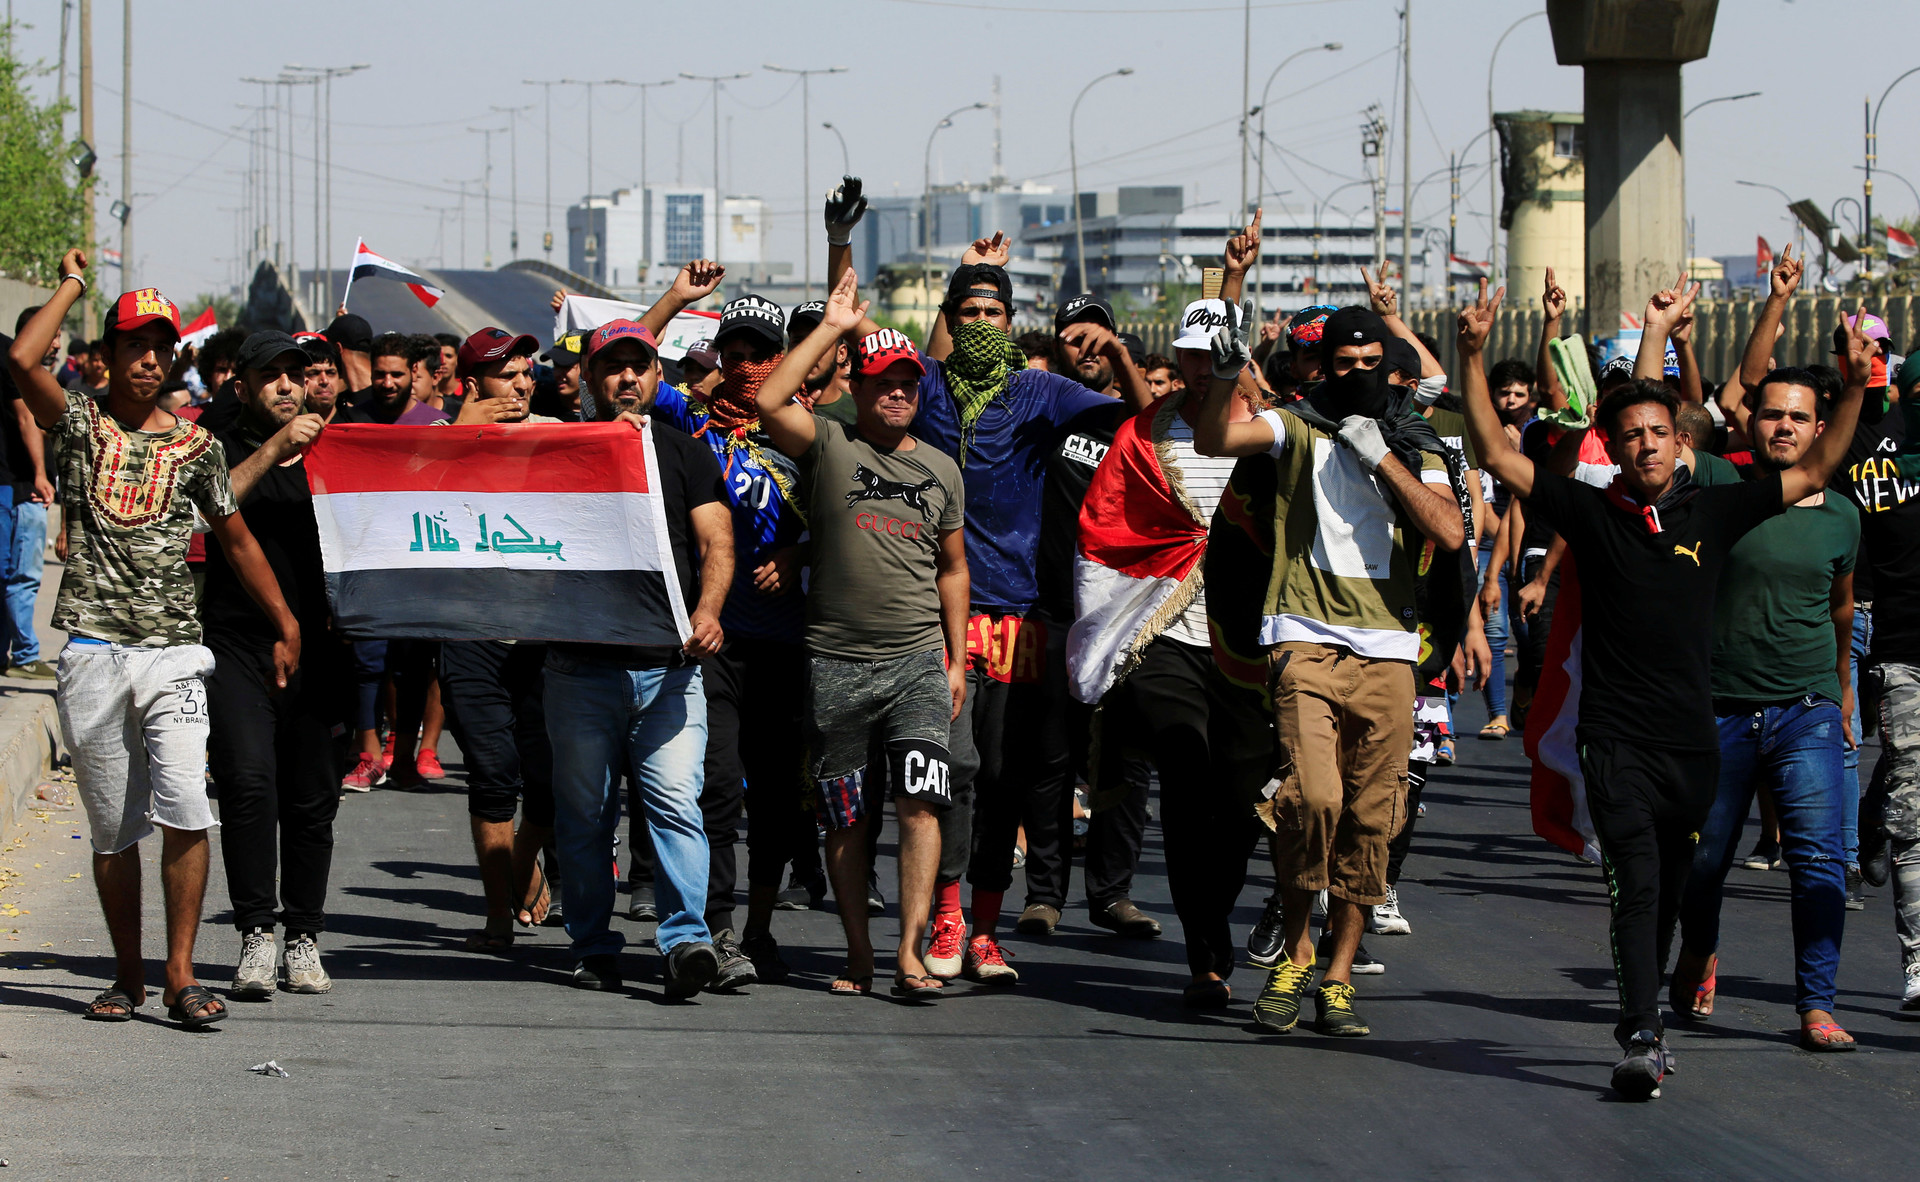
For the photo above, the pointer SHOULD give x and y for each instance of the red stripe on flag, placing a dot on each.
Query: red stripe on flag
(1550, 795)
(528, 457)
(425, 293)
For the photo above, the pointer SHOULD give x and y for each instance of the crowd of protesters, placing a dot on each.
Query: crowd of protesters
(1009, 584)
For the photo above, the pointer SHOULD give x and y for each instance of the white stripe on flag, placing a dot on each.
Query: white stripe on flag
(525, 531)
(1113, 609)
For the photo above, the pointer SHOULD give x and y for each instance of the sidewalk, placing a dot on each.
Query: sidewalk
(29, 721)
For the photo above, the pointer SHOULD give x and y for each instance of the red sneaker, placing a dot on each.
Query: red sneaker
(428, 765)
(386, 756)
(987, 964)
(365, 776)
(946, 951)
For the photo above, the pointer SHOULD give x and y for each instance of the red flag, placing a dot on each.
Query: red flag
(203, 326)
(1763, 260)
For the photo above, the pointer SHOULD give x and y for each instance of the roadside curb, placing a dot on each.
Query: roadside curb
(29, 745)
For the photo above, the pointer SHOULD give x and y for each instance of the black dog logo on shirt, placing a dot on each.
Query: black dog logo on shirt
(873, 488)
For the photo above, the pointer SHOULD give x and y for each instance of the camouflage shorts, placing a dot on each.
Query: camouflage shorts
(1898, 775)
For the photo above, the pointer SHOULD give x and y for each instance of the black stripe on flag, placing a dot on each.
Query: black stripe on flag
(592, 607)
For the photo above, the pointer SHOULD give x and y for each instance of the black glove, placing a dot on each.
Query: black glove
(845, 207)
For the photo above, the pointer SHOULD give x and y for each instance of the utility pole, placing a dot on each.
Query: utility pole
(463, 220)
(60, 93)
(646, 196)
(1406, 149)
(126, 145)
(486, 194)
(87, 322)
(716, 79)
(546, 241)
(1246, 95)
(806, 157)
(328, 73)
(1373, 135)
(513, 168)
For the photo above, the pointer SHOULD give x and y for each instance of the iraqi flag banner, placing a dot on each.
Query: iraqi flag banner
(368, 265)
(202, 328)
(523, 532)
(1139, 561)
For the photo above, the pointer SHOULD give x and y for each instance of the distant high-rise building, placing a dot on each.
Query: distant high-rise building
(626, 240)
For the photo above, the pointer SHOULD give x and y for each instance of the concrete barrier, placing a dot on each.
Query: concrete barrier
(29, 746)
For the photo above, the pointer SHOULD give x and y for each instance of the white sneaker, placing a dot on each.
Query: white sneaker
(253, 978)
(1912, 999)
(1320, 906)
(1385, 919)
(304, 974)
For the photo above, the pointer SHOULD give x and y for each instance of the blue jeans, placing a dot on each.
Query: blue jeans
(1795, 750)
(603, 720)
(1496, 688)
(1850, 804)
(20, 565)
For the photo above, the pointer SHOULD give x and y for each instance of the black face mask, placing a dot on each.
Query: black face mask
(1356, 392)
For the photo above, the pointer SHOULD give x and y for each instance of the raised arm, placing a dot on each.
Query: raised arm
(38, 389)
(696, 281)
(1508, 466)
(297, 436)
(1553, 302)
(1101, 341)
(1816, 467)
(1213, 433)
(1691, 389)
(1386, 302)
(1665, 309)
(1241, 251)
(1782, 284)
(844, 209)
(788, 424)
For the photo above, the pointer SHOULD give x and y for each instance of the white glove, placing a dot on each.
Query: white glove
(1231, 354)
(1430, 390)
(845, 207)
(1362, 434)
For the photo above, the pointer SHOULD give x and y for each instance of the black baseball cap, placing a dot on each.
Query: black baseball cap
(349, 331)
(981, 278)
(1136, 348)
(566, 350)
(262, 347)
(755, 314)
(1084, 307)
(804, 319)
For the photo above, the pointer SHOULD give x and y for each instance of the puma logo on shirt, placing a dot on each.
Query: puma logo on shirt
(1693, 553)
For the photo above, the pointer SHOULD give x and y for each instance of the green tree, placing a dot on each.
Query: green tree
(41, 212)
(226, 309)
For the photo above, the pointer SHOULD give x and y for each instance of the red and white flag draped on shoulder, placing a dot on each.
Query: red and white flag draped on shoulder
(523, 532)
(1138, 565)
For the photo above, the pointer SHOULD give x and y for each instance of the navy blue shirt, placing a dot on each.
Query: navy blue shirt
(1005, 471)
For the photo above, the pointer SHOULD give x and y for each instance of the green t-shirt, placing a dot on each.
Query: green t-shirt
(1709, 470)
(840, 410)
(1772, 617)
(876, 519)
(1451, 427)
(1344, 573)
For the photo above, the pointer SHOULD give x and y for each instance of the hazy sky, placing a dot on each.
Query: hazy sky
(401, 142)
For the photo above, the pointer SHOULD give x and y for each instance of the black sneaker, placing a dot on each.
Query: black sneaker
(1876, 845)
(876, 902)
(1335, 1014)
(1856, 897)
(802, 894)
(640, 906)
(764, 951)
(736, 968)
(691, 967)
(1265, 940)
(1363, 961)
(600, 973)
(1638, 1076)
(1278, 1007)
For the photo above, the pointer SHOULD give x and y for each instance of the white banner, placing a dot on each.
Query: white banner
(587, 313)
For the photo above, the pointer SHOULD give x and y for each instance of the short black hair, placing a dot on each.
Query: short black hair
(1034, 343)
(425, 350)
(221, 346)
(392, 344)
(1635, 393)
(1793, 375)
(447, 339)
(1828, 379)
(1509, 371)
(26, 314)
(1428, 343)
(1696, 423)
(1155, 361)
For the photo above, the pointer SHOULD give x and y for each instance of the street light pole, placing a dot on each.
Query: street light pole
(513, 169)
(926, 209)
(1260, 264)
(846, 161)
(546, 86)
(806, 160)
(1073, 154)
(486, 194)
(646, 210)
(1318, 207)
(1493, 164)
(1873, 140)
(716, 80)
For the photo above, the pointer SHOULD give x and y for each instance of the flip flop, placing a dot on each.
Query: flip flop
(113, 1005)
(1819, 1038)
(845, 986)
(196, 1007)
(533, 914)
(917, 985)
(1695, 1002)
(1495, 731)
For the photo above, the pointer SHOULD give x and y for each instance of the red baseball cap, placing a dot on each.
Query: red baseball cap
(620, 330)
(881, 349)
(489, 345)
(135, 308)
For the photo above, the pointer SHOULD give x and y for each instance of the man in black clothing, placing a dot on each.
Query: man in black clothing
(353, 336)
(271, 750)
(1648, 551)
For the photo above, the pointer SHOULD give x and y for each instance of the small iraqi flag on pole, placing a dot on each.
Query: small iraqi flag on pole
(368, 265)
(1900, 244)
(523, 532)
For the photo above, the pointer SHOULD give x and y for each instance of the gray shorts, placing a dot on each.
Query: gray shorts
(135, 720)
(902, 707)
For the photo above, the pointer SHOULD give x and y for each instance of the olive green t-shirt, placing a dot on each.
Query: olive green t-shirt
(876, 518)
(1773, 637)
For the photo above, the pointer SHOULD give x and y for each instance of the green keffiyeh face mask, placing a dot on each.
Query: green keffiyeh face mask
(983, 355)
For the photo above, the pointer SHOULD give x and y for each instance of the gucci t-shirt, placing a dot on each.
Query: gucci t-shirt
(129, 499)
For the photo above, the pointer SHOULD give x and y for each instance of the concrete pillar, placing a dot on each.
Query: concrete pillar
(1632, 51)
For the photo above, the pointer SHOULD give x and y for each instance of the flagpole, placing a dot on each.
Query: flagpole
(358, 243)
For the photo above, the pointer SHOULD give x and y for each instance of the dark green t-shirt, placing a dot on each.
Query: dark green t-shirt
(1451, 427)
(1710, 470)
(1772, 617)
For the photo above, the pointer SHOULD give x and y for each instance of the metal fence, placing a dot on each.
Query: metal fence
(1720, 332)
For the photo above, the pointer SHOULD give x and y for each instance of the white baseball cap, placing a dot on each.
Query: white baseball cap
(1198, 322)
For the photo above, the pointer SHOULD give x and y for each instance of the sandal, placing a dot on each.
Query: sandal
(490, 941)
(918, 985)
(113, 1005)
(1495, 730)
(847, 986)
(1207, 995)
(195, 1007)
(533, 912)
(1694, 999)
(1826, 1037)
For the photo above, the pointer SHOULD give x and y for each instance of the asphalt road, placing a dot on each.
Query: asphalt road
(1489, 1058)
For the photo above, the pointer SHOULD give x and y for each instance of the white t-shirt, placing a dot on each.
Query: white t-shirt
(1206, 479)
